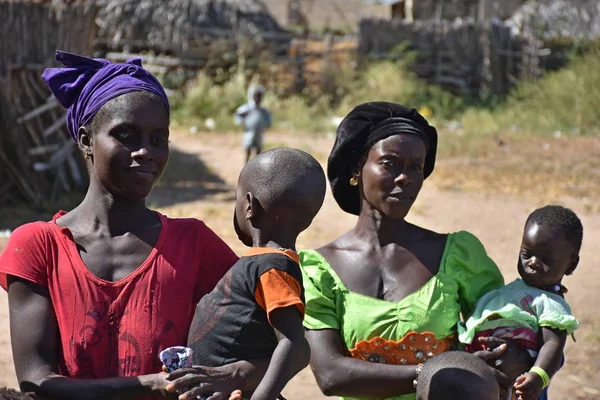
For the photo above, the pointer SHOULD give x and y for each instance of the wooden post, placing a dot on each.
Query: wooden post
(327, 83)
(240, 51)
(438, 40)
(509, 66)
(294, 13)
(299, 83)
(408, 10)
(481, 12)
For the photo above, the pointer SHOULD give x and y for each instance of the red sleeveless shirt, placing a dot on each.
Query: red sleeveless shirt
(111, 329)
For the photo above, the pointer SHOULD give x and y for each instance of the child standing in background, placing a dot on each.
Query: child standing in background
(255, 119)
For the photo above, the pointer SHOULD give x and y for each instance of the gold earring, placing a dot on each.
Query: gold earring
(86, 155)
(353, 181)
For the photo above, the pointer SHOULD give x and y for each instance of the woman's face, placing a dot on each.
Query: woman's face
(130, 145)
(392, 174)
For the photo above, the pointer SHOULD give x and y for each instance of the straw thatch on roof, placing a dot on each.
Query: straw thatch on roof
(569, 19)
(562, 26)
(181, 27)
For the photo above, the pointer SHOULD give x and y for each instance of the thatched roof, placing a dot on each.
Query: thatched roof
(176, 25)
(572, 19)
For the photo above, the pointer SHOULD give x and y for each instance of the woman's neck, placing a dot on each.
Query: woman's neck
(374, 228)
(100, 209)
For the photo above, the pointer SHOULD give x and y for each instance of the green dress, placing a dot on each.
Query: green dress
(466, 273)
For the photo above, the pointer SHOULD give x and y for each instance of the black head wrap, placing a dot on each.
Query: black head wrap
(364, 126)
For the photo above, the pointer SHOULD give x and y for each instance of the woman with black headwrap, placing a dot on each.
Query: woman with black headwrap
(387, 295)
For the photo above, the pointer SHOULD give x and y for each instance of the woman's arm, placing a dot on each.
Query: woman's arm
(507, 359)
(512, 360)
(34, 338)
(291, 355)
(339, 375)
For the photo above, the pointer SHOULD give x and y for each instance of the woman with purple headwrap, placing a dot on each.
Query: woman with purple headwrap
(96, 293)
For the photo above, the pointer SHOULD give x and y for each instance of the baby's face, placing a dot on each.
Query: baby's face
(545, 256)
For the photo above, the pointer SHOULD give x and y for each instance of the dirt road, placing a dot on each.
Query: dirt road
(203, 173)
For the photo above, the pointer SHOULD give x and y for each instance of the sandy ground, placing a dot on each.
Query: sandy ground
(496, 220)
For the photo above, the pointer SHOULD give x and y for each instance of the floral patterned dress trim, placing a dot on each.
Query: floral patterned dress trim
(414, 348)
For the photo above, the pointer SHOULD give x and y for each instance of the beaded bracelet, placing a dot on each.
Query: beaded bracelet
(542, 374)
(419, 369)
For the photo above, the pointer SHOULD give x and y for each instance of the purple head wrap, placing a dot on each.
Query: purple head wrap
(85, 84)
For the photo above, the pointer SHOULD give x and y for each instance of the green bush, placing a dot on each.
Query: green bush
(385, 80)
(392, 81)
(202, 99)
(565, 101)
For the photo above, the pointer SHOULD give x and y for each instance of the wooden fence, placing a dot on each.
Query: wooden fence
(38, 160)
(300, 64)
(462, 56)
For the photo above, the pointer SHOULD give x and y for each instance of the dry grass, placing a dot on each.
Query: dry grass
(543, 169)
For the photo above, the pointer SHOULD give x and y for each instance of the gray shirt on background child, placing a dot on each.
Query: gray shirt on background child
(254, 118)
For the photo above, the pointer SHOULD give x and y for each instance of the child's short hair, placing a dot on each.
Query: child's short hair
(12, 394)
(456, 375)
(562, 220)
(286, 178)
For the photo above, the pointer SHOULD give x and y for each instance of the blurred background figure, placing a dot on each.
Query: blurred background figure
(255, 119)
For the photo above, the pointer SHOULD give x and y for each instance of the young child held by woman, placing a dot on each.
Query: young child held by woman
(532, 310)
(256, 310)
